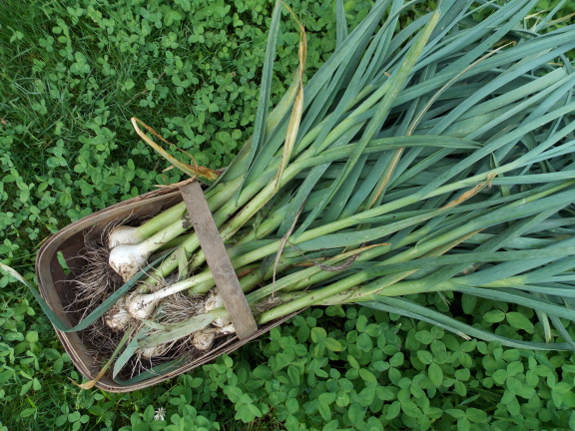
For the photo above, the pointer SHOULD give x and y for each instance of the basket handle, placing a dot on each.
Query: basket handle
(218, 260)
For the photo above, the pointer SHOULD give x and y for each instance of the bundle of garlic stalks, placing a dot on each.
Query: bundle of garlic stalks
(437, 158)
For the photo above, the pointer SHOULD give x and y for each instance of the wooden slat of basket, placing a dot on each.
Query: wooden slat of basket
(218, 260)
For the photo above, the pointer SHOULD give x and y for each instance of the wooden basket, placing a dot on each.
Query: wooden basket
(56, 287)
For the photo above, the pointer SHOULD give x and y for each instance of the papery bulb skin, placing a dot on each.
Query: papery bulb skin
(117, 318)
(154, 351)
(213, 301)
(204, 339)
(225, 330)
(141, 305)
(222, 322)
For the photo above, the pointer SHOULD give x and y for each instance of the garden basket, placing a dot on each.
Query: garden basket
(55, 286)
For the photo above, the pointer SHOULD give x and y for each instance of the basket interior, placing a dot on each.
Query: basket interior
(59, 263)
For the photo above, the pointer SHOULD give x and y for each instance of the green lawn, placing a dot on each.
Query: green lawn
(72, 74)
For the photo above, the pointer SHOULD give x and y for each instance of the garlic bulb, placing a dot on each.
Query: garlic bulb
(117, 318)
(122, 235)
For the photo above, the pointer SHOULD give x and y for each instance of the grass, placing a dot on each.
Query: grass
(72, 75)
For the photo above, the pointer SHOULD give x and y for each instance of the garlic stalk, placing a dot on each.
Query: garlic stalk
(123, 234)
(134, 235)
(127, 259)
(142, 305)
